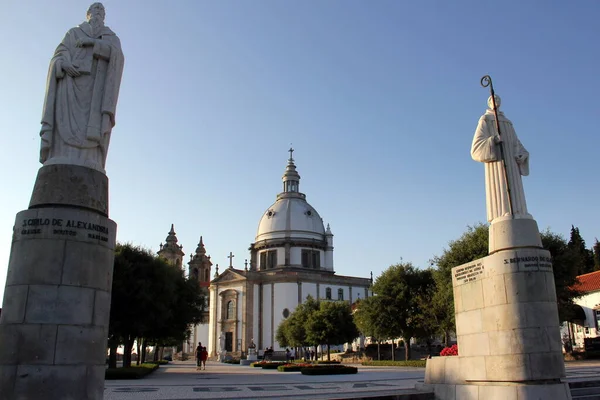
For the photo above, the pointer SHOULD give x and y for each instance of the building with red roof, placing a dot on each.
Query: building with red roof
(587, 323)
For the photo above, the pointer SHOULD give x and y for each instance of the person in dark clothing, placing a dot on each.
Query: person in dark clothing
(198, 355)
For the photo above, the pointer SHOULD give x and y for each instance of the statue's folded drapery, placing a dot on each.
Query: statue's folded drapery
(79, 111)
(485, 149)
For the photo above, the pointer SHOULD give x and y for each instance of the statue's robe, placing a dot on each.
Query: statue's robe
(485, 149)
(79, 112)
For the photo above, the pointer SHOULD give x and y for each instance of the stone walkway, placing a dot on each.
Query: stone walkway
(181, 381)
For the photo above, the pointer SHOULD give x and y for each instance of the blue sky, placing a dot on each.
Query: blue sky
(380, 100)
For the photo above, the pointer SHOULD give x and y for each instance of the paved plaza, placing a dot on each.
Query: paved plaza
(180, 380)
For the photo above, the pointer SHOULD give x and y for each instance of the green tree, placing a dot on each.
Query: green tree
(596, 251)
(151, 300)
(292, 331)
(402, 290)
(582, 258)
(331, 324)
(565, 269)
(472, 244)
(372, 320)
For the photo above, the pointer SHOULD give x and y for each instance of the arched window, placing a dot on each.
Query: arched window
(328, 293)
(230, 310)
(195, 274)
(340, 294)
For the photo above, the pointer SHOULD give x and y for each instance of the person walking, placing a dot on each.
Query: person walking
(203, 357)
(198, 355)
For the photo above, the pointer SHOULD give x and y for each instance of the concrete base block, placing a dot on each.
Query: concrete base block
(54, 323)
(498, 391)
(513, 233)
(506, 316)
(70, 185)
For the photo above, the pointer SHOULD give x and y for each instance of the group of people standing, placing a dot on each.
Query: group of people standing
(201, 356)
(291, 355)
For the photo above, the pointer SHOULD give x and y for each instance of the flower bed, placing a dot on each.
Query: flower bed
(328, 370)
(272, 365)
(293, 367)
(450, 351)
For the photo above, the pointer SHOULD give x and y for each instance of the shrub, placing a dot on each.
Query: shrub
(329, 370)
(133, 372)
(258, 364)
(232, 361)
(295, 367)
(328, 362)
(409, 363)
(450, 351)
(272, 365)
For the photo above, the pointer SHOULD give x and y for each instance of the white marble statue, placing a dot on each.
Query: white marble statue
(222, 341)
(81, 94)
(486, 149)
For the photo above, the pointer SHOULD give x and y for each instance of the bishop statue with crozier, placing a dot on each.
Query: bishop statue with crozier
(486, 149)
(81, 94)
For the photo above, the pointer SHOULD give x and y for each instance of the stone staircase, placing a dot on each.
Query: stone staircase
(586, 390)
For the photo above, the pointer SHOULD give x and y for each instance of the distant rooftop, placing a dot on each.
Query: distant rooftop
(588, 282)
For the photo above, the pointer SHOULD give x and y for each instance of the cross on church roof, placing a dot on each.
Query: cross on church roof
(291, 150)
(230, 256)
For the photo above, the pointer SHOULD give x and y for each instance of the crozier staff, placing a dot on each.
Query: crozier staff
(506, 160)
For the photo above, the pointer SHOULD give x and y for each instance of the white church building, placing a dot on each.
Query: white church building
(290, 259)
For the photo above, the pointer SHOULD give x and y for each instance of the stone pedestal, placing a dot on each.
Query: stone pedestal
(54, 322)
(252, 356)
(507, 234)
(507, 330)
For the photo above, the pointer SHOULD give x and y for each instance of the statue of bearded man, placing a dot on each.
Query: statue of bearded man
(486, 149)
(81, 94)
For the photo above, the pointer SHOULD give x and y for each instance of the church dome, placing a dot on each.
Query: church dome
(290, 216)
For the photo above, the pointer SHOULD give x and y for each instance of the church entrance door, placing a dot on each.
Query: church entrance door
(229, 341)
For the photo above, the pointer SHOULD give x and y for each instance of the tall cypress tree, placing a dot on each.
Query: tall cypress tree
(596, 250)
(582, 257)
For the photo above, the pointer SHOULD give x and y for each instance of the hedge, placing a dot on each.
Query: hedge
(328, 362)
(272, 365)
(409, 363)
(329, 370)
(133, 372)
(233, 361)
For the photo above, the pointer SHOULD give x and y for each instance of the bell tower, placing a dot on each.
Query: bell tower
(171, 251)
(199, 266)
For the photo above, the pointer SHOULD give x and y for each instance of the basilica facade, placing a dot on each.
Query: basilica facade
(291, 258)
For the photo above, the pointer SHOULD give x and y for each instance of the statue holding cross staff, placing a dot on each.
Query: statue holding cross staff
(496, 144)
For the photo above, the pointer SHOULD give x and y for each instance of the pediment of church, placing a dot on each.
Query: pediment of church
(229, 275)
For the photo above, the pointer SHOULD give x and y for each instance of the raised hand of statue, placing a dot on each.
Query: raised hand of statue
(520, 159)
(84, 42)
(70, 69)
